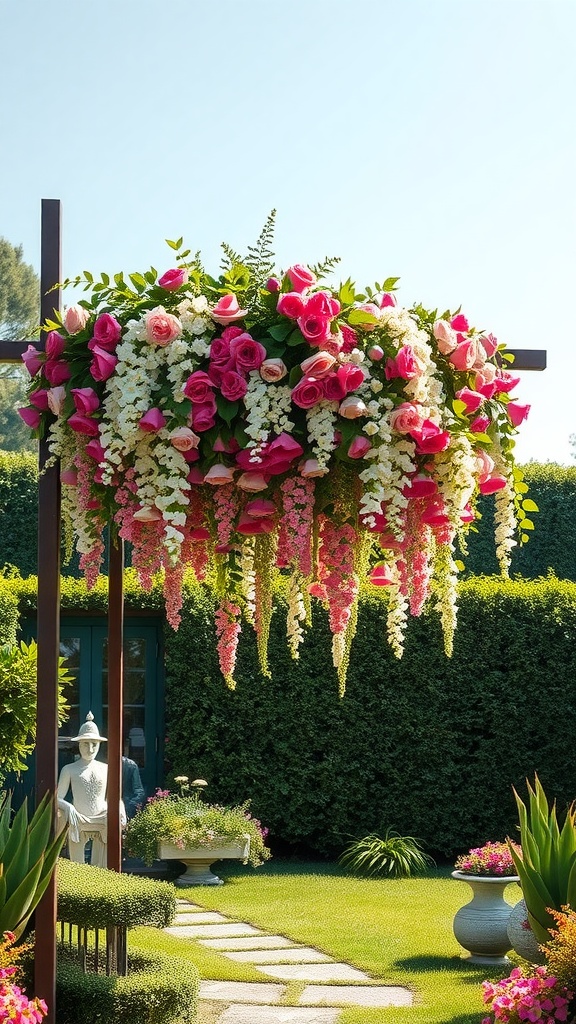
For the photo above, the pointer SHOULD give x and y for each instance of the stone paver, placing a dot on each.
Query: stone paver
(277, 1015)
(313, 972)
(211, 931)
(187, 903)
(241, 991)
(208, 918)
(356, 995)
(249, 942)
(299, 955)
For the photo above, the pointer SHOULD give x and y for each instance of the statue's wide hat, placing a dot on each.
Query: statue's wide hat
(89, 731)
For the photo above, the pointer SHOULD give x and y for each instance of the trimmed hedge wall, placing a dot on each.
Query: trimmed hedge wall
(97, 898)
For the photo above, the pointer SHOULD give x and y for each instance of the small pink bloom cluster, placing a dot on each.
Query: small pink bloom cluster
(492, 859)
(519, 998)
(14, 1003)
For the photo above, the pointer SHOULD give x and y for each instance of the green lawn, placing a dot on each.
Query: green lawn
(398, 931)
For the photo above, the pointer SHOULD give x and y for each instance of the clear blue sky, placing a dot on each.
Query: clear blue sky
(432, 140)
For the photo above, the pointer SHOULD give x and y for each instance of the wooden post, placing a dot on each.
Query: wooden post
(48, 624)
(115, 697)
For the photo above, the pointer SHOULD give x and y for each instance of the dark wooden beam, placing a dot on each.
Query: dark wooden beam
(48, 623)
(11, 351)
(528, 358)
(115, 697)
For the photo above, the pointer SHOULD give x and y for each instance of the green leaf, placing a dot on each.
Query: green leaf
(138, 281)
(359, 317)
(526, 524)
(296, 338)
(296, 374)
(347, 292)
(390, 284)
(530, 506)
(508, 356)
(281, 331)
(459, 408)
(226, 409)
(174, 245)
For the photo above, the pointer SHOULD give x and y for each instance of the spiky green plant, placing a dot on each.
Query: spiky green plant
(27, 859)
(547, 864)
(393, 855)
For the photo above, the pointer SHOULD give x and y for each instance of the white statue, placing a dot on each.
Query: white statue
(87, 815)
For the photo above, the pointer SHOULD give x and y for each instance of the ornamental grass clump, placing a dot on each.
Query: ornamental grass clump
(187, 822)
(393, 855)
(491, 861)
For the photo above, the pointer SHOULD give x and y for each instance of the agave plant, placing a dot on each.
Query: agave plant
(27, 859)
(546, 865)
(393, 855)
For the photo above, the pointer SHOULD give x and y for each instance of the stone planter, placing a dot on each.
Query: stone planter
(481, 926)
(199, 858)
(522, 938)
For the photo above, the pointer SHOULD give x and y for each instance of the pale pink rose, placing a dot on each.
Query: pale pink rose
(472, 399)
(460, 324)
(484, 463)
(233, 386)
(333, 345)
(252, 482)
(405, 418)
(260, 508)
(404, 365)
(107, 331)
(55, 345)
(308, 392)
(75, 319)
(103, 364)
(351, 408)
(152, 421)
(147, 514)
(56, 399)
(445, 337)
(247, 353)
(161, 327)
(375, 353)
(31, 416)
(315, 329)
(359, 446)
(183, 439)
(173, 279)
(273, 370)
(311, 468)
(464, 355)
(318, 365)
(39, 399)
(300, 277)
(322, 304)
(373, 310)
(33, 360)
(485, 375)
(517, 413)
(219, 475)
(227, 310)
(85, 400)
(57, 371)
(290, 304)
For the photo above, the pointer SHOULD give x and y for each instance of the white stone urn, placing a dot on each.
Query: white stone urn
(199, 858)
(481, 926)
(522, 938)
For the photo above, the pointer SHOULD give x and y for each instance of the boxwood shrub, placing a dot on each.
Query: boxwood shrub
(94, 897)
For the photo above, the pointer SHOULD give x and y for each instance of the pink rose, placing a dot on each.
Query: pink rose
(249, 526)
(247, 353)
(406, 418)
(260, 508)
(103, 364)
(471, 399)
(161, 327)
(83, 424)
(56, 398)
(75, 319)
(220, 350)
(492, 484)
(322, 304)
(351, 408)
(233, 386)
(315, 329)
(517, 413)
(318, 365)
(183, 439)
(219, 475)
(107, 331)
(351, 376)
(505, 381)
(300, 277)
(39, 399)
(171, 280)
(152, 421)
(381, 576)
(85, 400)
(404, 365)
(204, 415)
(195, 476)
(489, 344)
(229, 447)
(375, 353)
(349, 338)
(311, 468)
(281, 452)
(273, 370)
(467, 515)
(227, 309)
(334, 388)
(485, 375)
(252, 482)
(464, 355)
(189, 454)
(435, 514)
(445, 337)
(69, 477)
(359, 446)
(147, 514)
(199, 387)
(33, 360)
(95, 450)
(56, 371)
(480, 424)
(31, 416)
(308, 392)
(55, 345)
(290, 304)
(387, 300)
(459, 323)
(430, 438)
(420, 486)
(272, 284)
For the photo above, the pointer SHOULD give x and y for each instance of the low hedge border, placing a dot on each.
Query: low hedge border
(92, 897)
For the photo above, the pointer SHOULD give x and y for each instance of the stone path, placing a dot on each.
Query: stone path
(284, 960)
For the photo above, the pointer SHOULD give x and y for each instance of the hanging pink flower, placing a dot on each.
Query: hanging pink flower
(480, 424)
(55, 345)
(39, 399)
(459, 323)
(219, 475)
(273, 285)
(505, 381)
(204, 415)
(147, 514)
(387, 300)
(492, 484)
(420, 486)
(33, 360)
(446, 337)
(260, 508)
(472, 399)
(359, 447)
(517, 413)
(311, 468)
(464, 355)
(31, 416)
(56, 399)
(95, 450)
(252, 482)
(375, 353)
(252, 527)
(83, 424)
(381, 576)
(430, 438)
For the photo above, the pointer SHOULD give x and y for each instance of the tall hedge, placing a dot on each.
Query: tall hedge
(19, 510)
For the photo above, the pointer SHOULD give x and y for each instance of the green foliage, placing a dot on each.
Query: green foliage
(19, 294)
(18, 704)
(14, 434)
(391, 856)
(547, 865)
(97, 898)
(158, 987)
(561, 948)
(27, 860)
(19, 510)
(8, 615)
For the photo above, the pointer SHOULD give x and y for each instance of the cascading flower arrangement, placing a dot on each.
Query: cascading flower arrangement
(255, 424)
